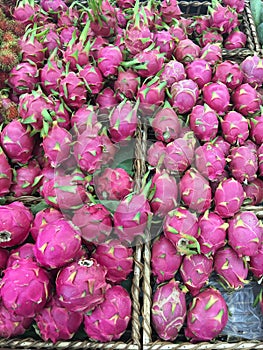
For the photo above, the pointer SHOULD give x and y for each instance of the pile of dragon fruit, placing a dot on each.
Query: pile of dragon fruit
(71, 210)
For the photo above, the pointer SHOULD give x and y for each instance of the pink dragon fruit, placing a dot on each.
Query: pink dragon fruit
(252, 69)
(245, 234)
(116, 258)
(76, 53)
(231, 269)
(17, 142)
(204, 122)
(207, 316)
(184, 95)
(166, 124)
(52, 7)
(24, 251)
(212, 232)
(243, 164)
(210, 36)
(84, 118)
(156, 154)
(164, 195)
(23, 77)
(73, 91)
(55, 322)
(123, 122)
(12, 325)
(25, 12)
(229, 197)
(235, 128)
(165, 260)
(137, 37)
(260, 160)
(50, 75)
(173, 71)
(256, 263)
(151, 96)
(181, 228)
(5, 174)
(170, 10)
(106, 100)
(166, 42)
(92, 77)
(211, 53)
(186, 51)
(109, 59)
(42, 218)
(32, 50)
(228, 73)
(235, 40)
(57, 244)
(51, 40)
(168, 310)
(81, 286)
(15, 222)
(256, 129)
(254, 192)
(94, 222)
(201, 24)
(199, 71)
(113, 184)
(210, 161)
(61, 114)
(4, 255)
(67, 33)
(195, 191)
(217, 97)
(113, 314)
(195, 271)
(125, 4)
(238, 5)
(223, 18)
(103, 24)
(97, 43)
(222, 144)
(127, 84)
(25, 288)
(246, 99)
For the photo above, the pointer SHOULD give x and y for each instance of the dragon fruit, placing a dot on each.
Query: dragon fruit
(5, 174)
(25, 12)
(235, 128)
(181, 228)
(238, 5)
(156, 154)
(61, 114)
(204, 122)
(186, 51)
(81, 286)
(228, 73)
(84, 118)
(12, 325)
(201, 24)
(168, 310)
(17, 142)
(23, 77)
(109, 59)
(170, 10)
(210, 36)
(212, 53)
(137, 37)
(50, 75)
(207, 316)
(67, 33)
(245, 234)
(32, 50)
(173, 71)
(231, 269)
(199, 71)
(124, 4)
(195, 271)
(195, 191)
(51, 40)
(246, 99)
(254, 192)
(113, 184)
(106, 100)
(216, 95)
(103, 24)
(256, 129)
(42, 218)
(113, 314)
(127, 83)
(166, 42)
(94, 222)
(116, 258)
(252, 67)
(15, 222)
(260, 160)
(235, 40)
(210, 161)
(229, 196)
(243, 164)
(212, 233)
(151, 96)
(53, 7)
(256, 263)
(24, 251)
(222, 144)
(164, 193)
(25, 288)
(165, 260)
(184, 95)
(92, 77)
(223, 18)
(4, 255)
(26, 179)
(166, 124)
(57, 244)
(55, 322)
(73, 91)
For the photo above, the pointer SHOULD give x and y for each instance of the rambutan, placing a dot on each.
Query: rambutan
(4, 26)
(17, 28)
(8, 59)
(3, 78)
(8, 109)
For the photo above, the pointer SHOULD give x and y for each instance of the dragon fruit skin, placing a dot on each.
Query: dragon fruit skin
(194, 69)
(151, 97)
(32, 50)
(203, 122)
(24, 251)
(113, 184)
(74, 60)
(5, 174)
(260, 160)
(165, 41)
(235, 40)
(66, 34)
(245, 234)
(25, 288)
(212, 53)
(57, 244)
(109, 59)
(4, 255)
(252, 67)
(254, 192)
(55, 322)
(124, 4)
(165, 260)
(210, 36)
(228, 73)
(92, 77)
(243, 164)
(212, 233)
(222, 144)
(184, 95)
(112, 315)
(168, 310)
(15, 222)
(25, 13)
(127, 83)
(201, 24)
(150, 61)
(73, 91)
(256, 129)
(94, 222)
(195, 271)
(170, 10)
(116, 258)
(42, 218)
(207, 316)
(23, 78)
(166, 125)
(156, 154)
(223, 18)
(231, 269)
(106, 100)
(50, 75)
(217, 96)
(256, 263)
(228, 198)
(195, 191)
(137, 38)
(238, 5)
(83, 118)
(246, 99)
(12, 325)
(52, 7)
(235, 128)
(173, 71)
(17, 142)
(186, 51)
(81, 286)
